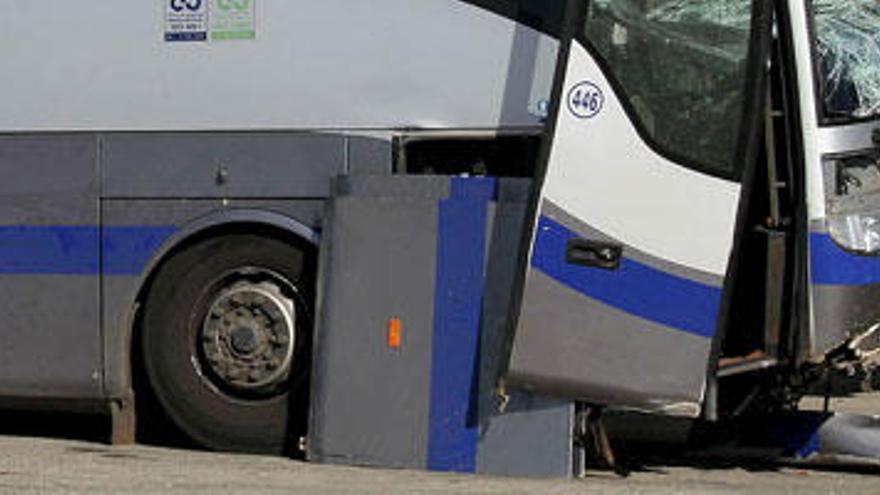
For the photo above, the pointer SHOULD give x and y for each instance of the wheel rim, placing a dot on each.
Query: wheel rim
(247, 337)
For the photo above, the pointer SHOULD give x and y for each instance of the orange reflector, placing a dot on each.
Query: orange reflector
(395, 333)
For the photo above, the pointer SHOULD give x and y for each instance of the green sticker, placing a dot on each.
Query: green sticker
(234, 20)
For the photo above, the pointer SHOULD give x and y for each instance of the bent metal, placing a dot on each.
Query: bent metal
(451, 235)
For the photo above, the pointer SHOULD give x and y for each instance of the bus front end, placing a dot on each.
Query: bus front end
(840, 111)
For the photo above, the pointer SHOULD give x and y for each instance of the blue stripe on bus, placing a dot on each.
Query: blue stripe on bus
(634, 288)
(127, 250)
(833, 265)
(75, 250)
(71, 250)
(461, 246)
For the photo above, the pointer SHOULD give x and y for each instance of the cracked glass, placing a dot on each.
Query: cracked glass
(682, 67)
(848, 48)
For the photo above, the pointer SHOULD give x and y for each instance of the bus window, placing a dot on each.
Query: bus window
(848, 46)
(681, 67)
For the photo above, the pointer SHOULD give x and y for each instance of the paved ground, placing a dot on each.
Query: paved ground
(62, 454)
(37, 465)
(858, 404)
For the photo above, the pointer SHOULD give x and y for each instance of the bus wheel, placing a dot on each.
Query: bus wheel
(226, 342)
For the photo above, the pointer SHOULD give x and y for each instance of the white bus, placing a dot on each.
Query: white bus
(704, 213)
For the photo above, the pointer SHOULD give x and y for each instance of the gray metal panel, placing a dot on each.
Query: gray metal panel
(370, 403)
(120, 291)
(49, 179)
(422, 188)
(562, 335)
(507, 224)
(50, 335)
(368, 155)
(184, 212)
(188, 165)
(532, 438)
(49, 345)
(840, 311)
(846, 139)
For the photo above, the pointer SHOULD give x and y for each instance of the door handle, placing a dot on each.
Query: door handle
(593, 254)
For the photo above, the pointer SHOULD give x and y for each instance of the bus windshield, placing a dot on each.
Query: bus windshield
(848, 48)
(682, 66)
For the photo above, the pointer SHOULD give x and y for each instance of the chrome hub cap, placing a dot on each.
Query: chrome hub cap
(248, 336)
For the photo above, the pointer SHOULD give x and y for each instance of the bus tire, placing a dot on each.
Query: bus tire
(226, 342)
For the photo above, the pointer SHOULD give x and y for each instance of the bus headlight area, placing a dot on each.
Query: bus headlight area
(852, 188)
(857, 231)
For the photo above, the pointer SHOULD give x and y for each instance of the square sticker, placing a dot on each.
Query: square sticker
(186, 20)
(233, 20)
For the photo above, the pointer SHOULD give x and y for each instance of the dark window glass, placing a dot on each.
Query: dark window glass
(848, 45)
(681, 66)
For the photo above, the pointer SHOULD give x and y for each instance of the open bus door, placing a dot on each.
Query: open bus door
(658, 104)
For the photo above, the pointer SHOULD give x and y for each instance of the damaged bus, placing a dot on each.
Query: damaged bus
(710, 178)
(703, 237)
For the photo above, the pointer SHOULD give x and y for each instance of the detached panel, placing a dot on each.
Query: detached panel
(410, 331)
(370, 399)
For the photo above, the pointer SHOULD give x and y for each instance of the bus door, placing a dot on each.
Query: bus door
(638, 208)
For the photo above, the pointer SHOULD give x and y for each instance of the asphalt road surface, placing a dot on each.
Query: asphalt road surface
(64, 454)
(40, 465)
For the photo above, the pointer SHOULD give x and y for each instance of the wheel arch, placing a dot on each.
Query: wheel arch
(270, 224)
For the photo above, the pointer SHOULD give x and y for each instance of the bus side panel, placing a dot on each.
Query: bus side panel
(845, 291)
(221, 165)
(329, 64)
(49, 267)
(177, 193)
(638, 335)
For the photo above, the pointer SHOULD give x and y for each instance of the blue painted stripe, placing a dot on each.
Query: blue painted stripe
(635, 288)
(127, 250)
(75, 250)
(453, 428)
(39, 250)
(832, 265)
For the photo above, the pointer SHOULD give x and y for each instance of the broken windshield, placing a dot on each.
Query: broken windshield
(848, 46)
(682, 67)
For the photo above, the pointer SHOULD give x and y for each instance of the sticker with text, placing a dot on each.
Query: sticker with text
(585, 100)
(186, 20)
(234, 20)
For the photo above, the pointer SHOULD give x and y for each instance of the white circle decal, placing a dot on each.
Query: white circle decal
(585, 100)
